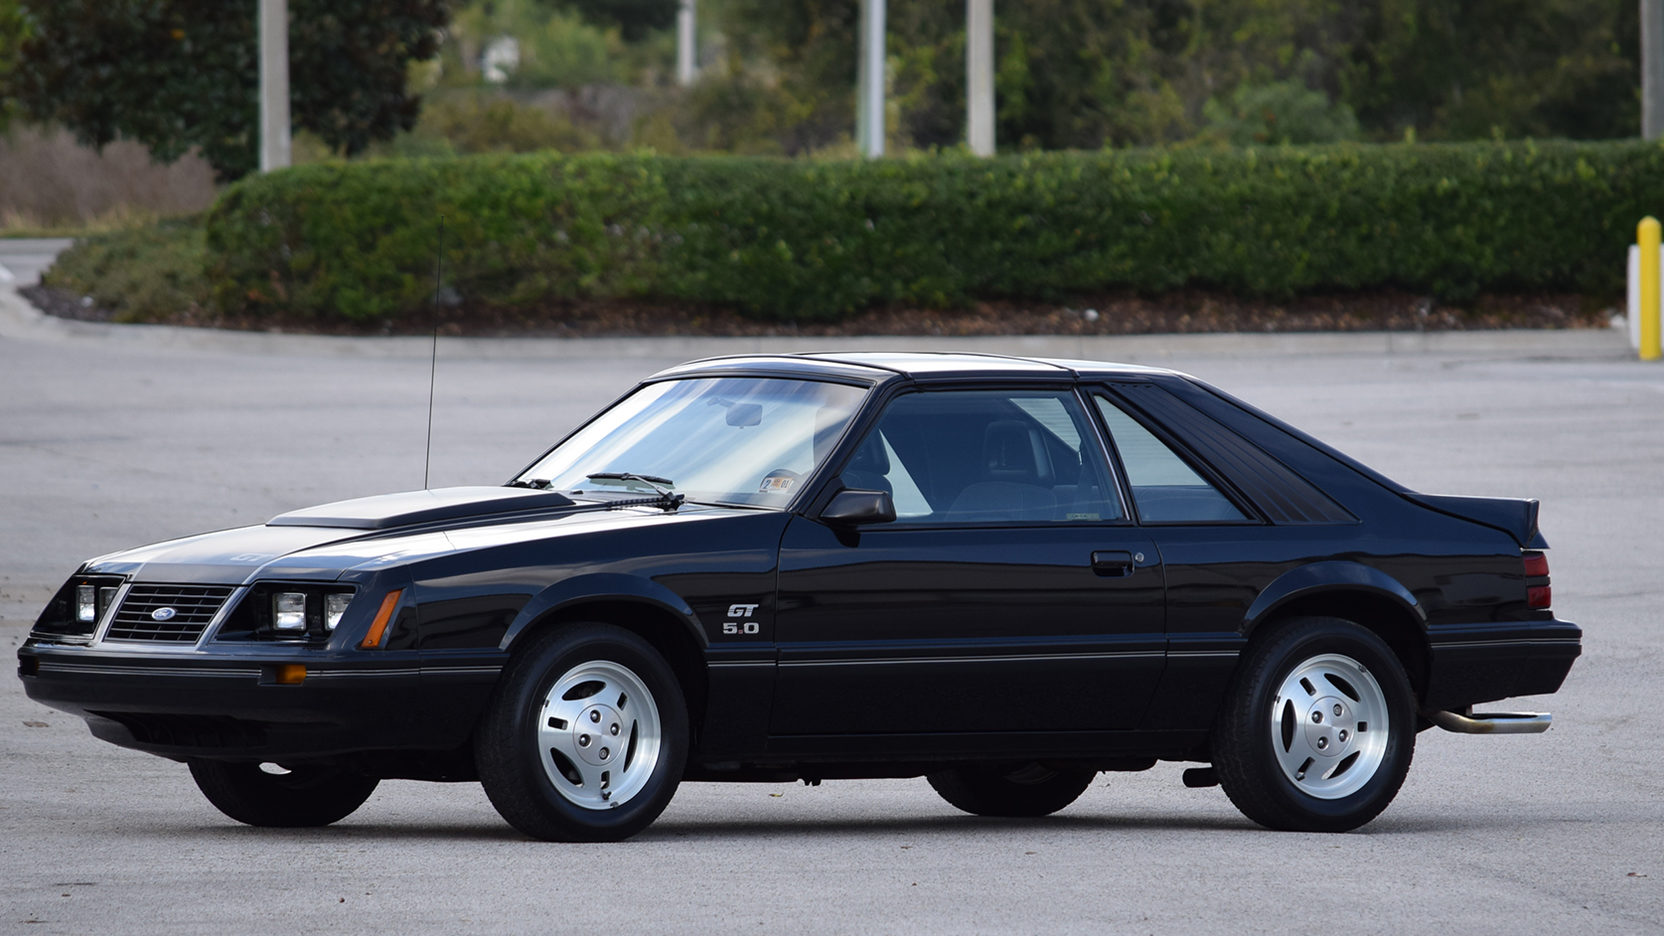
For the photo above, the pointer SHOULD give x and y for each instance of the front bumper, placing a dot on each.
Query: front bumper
(1475, 663)
(231, 706)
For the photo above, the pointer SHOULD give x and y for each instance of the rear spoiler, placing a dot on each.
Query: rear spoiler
(1515, 517)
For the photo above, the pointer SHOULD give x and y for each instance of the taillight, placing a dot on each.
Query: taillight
(1538, 594)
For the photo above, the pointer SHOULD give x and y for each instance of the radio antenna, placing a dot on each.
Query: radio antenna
(433, 361)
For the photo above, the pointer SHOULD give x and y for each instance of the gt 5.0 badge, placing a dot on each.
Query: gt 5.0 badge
(741, 627)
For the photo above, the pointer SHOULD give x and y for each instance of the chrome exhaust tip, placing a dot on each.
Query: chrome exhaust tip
(1492, 722)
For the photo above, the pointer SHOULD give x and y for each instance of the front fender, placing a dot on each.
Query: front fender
(605, 586)
(1331, 576)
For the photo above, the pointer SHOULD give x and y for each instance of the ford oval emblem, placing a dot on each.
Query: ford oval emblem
(163, 614)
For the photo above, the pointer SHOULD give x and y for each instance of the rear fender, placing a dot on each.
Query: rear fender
(1331, 576)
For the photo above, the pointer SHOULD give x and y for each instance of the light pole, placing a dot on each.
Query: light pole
(869, 107)
(274, 84)
(687, 50)
(979, 76)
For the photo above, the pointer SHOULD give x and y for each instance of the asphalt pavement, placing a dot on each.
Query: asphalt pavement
(23, 258)
(116, 435)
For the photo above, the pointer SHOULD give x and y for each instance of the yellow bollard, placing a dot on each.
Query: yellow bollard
(1646, 238)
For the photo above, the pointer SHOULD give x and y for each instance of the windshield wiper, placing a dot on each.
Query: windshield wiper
(536, 484)
(666, 498)
(661, 485)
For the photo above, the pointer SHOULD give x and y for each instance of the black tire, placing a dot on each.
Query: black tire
(1316, 758)
(1021, 791)
(303, 797)
(550, 770)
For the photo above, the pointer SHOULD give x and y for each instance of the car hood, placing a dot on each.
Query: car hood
(414, 508)
(369, 533)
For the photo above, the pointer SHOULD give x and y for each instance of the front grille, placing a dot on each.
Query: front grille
(193, 607)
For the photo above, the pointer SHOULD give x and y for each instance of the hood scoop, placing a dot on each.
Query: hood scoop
(387, 511)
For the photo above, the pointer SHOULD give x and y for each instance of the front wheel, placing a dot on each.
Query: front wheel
(295, 797)
(585, 737)
(1319, 729)
(1024, 791)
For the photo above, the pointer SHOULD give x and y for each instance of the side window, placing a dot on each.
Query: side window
(1164, 488)
(985, 456)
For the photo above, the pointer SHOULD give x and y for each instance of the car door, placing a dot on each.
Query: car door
(1011, 594)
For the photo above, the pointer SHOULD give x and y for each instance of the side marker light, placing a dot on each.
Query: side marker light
(384, 616)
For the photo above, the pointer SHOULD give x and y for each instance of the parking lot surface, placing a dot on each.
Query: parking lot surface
(111, 437)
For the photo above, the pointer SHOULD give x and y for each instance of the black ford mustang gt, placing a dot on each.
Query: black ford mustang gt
(1005, 575)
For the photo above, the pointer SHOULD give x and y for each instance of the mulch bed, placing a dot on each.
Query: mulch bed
(1186, 312)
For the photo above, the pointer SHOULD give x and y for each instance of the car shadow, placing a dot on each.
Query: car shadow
(672, 830)
(695, 830)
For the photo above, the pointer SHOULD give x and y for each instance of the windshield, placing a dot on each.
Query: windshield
(730, 440)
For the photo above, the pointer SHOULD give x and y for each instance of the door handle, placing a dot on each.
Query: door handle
(1112, 562)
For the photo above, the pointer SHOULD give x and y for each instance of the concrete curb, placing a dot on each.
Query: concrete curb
(21, 321)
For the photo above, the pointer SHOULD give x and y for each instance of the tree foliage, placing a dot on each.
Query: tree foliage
(177, 74)
(1093, 73)
(13, 30)
(1280, 112)
(633, 18)
(1512, 68)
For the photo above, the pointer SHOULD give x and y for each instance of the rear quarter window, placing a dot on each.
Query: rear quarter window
(1283, 496)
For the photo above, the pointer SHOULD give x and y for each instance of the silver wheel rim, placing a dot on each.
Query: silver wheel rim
(598, 735)
(1329, 726)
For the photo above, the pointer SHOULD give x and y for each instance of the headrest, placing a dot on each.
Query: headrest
(1013, 451)
(870, 456)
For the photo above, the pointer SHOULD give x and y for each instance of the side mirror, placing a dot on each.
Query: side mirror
(852, 508)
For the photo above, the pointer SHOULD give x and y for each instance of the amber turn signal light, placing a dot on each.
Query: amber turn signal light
(384, 616)
(289, 674)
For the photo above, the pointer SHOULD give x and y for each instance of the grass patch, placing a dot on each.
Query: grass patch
(150, 272)
(15, 223)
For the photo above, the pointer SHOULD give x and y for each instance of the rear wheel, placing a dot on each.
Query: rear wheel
(282, 797)
(585, 737)
(1027, 790)
(1319, 730)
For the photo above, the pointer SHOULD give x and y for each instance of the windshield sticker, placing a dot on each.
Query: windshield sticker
(777, 483)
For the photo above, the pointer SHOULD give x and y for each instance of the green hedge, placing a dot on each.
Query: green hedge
(819, 239)
(149, 272)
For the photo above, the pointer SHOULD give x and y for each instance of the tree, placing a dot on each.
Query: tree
(1069, 73)
(1280, 112)
(177, 74)
(634, 18)
(12, 33)
(1091, 73)
(1544, 68)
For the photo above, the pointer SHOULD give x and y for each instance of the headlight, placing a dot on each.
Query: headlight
(289, 612)
(294, 610)
(335, 605)
(74, 612)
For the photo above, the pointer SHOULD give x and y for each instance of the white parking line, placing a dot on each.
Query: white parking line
(6, 275)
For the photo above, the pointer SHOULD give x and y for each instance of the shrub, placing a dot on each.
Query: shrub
(359, 241)
(817, 239)
(144, 273)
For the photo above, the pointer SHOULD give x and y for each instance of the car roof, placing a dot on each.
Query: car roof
(880, 366)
